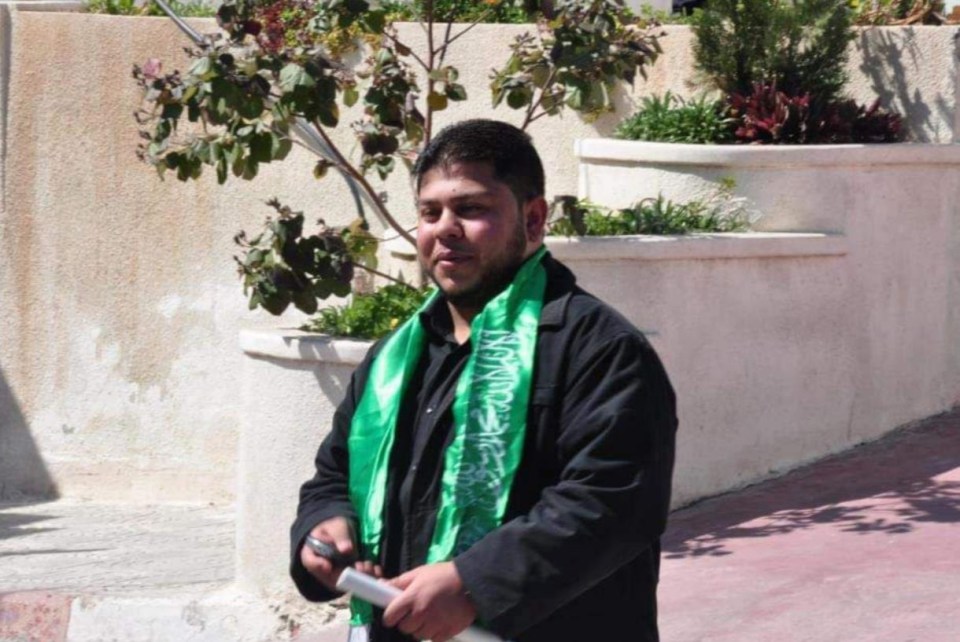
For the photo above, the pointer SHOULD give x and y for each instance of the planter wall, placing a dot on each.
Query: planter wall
(780, 364)
(291, 384)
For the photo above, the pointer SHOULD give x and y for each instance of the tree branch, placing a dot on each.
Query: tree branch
(361, 180)
(449, 41)
(413, 53)
(529, 118)
(428, 121)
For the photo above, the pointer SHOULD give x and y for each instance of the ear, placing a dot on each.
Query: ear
(535, 212)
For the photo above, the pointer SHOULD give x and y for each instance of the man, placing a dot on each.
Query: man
(505, 456)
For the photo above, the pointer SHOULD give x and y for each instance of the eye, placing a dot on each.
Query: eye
(428, 214)
(470, 209)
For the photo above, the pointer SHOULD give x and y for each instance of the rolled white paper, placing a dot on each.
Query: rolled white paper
(370, 589)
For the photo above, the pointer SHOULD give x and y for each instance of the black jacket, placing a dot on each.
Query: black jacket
(577, 556)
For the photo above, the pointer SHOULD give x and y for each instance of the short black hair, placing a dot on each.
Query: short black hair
(509, 150)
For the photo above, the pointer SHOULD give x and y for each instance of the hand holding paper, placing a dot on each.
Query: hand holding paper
(383, 595)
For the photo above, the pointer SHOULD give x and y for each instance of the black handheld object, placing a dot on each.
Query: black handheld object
(329, 552)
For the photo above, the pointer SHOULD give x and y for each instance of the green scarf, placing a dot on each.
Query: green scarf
(489, 421)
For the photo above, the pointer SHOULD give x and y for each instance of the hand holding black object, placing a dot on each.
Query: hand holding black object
(329, 552)
(333, 535)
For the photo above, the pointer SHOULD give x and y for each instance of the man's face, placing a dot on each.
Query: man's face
(472, 235)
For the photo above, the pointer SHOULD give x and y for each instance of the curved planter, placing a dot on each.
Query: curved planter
(782, 357)
(292, 382)
(793, 187)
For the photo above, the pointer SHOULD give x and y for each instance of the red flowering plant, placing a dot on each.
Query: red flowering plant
(767, 115)
(276, 76)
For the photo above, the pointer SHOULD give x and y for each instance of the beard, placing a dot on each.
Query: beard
(494, 278)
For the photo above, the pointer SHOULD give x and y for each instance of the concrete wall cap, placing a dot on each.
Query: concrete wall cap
(67, 6)
(297, 345)
(740, 245)
(641, 152)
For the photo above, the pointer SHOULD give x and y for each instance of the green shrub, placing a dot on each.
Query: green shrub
(798, 45)
(135, 8)
(670, 119)
(721, 213)
(370, 316)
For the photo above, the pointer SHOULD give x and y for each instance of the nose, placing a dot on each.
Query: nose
(449, 225)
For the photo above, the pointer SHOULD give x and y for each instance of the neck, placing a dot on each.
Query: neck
(462, 316)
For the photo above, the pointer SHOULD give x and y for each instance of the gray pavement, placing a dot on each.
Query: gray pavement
(90, 548)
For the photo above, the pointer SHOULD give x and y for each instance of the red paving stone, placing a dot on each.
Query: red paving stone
(862, 546)
(34, 617)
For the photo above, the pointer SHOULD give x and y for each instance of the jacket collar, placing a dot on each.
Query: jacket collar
(561, 284)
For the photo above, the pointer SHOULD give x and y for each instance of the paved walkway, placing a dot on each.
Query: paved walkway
(860, 547)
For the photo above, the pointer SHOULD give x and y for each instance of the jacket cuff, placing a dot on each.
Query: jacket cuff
(482, 592)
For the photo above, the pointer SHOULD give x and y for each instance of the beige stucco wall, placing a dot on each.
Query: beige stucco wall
(118, 352)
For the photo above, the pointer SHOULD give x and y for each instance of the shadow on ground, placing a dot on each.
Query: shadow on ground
(14, 524)
(886, 487)
(23, 474)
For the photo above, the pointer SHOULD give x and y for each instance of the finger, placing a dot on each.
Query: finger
(365, 567)
(336, 531)
(403, 581)
(428, 632)
(378, 572)
(314, 562)
(414, 624)
(396, 611)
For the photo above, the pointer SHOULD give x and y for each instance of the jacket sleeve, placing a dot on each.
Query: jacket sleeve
(616, 449)
(327, 494)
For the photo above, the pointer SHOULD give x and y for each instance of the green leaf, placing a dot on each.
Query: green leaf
(320, 169)
(233, 153)
(305, 300)
(329, 114)
(375, 21)
(575, 98)
(275, 302)
(293, 76)
(261, 148)
(518, 98)
(251, 107)
(350, 95)
(385, 165)
(281, 146)
(171, 111)
(539, 74)
(201, 67)
(250, 170)
(437, 102)
(456, 92)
